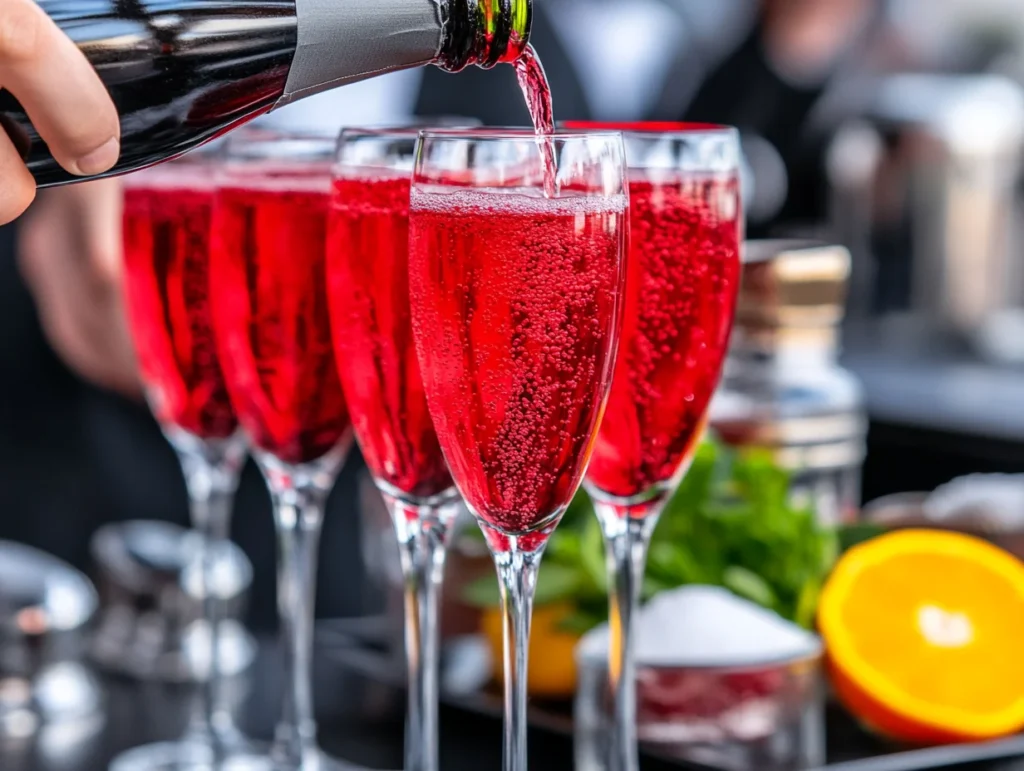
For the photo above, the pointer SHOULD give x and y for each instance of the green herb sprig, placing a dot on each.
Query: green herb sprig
(730, 524)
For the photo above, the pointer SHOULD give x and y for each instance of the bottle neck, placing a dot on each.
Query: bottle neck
(343, 41)
(482, 32)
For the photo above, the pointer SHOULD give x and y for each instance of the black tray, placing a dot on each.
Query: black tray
(366, 646)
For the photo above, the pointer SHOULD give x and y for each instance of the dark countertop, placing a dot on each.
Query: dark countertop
(936, 410)
(953, 396)
(914, 376)
(361, 721)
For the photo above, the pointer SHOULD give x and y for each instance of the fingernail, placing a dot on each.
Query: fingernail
(99, 160)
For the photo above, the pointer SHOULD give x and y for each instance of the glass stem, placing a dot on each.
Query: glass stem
(212, 470)
(423, 543)
(299, 496)
(517, 559)
(627, 535)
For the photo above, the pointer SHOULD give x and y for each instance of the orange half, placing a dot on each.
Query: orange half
(924, 631)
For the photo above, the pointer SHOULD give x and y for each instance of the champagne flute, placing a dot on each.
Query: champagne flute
(516, 300)
(272, 330)
(166, 261)
(686, 223)
(368, 290)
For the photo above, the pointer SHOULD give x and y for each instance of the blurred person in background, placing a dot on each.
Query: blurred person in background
(772, 86)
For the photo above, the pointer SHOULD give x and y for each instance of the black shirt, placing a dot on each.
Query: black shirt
(747, 92)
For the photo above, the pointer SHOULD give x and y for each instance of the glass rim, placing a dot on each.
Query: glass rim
(252, 134)
(654, 129)
(403, 130)
(388, 132)
(257, 143)
(498, 133)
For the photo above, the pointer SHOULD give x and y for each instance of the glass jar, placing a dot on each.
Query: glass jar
(749, 717)
(783, 389)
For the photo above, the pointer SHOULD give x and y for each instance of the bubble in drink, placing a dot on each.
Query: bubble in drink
(166, 261)
(515, 303)
(270, 316)
(681, 286)
(368, 278)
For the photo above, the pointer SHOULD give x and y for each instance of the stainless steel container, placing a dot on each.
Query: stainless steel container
(151, 624)
(925, 191)
(782, 388)
(51, 706)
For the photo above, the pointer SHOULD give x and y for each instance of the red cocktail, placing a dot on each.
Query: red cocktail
(515, 298)
(368, 277)
(167, 289)
(166, 229)
(271, 314)
(515, 290)
(686, 220)
(681, 288)
(269, 288)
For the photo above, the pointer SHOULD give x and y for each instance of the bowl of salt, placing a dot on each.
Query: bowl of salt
(720, 681)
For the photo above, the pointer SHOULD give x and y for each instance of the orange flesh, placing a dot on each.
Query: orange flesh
(972, 675)
(924, 630)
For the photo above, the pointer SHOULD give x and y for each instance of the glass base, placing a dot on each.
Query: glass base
(188, 756)
(318, 761)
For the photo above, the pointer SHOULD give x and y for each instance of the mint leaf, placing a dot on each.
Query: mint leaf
(556, 583)
(749, 585)
(592, 559)
(807, 604)
(852, 535)
(482, 593)
(581, 621)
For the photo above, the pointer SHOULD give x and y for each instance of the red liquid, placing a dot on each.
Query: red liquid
(534, 84)
(270, 315)
(683, 276)
(166, 258)
(368, 279)
(515, 306)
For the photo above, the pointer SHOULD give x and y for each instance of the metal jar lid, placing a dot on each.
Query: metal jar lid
(45, 608)
(798, 285)
(151, 624)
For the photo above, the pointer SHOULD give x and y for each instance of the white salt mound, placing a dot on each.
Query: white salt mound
(707, 626)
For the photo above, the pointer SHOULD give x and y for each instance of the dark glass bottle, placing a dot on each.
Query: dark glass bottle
(182, 72)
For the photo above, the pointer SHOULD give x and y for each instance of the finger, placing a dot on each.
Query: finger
(97, 207)
(59, 89)
(106, 231)
(17, 188)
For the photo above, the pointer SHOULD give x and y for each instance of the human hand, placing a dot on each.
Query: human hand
(70, 254)
(63, 96)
